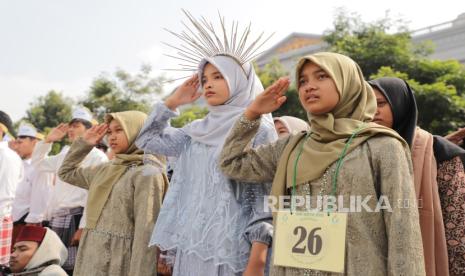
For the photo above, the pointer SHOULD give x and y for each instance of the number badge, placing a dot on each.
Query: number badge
(310, 240)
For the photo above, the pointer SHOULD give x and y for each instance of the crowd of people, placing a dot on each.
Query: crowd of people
(236, 177)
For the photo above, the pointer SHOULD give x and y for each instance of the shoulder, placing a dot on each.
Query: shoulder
(10, 156)
(384, 143)
(387, 151)
(146, 173)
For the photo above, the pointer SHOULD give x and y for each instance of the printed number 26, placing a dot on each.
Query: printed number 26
(314, 242)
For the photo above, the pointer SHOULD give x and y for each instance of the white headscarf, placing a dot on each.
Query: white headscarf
(294, 125)
(244, 85)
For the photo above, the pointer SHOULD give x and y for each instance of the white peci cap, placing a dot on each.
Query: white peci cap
(26, 129)
(82, 113)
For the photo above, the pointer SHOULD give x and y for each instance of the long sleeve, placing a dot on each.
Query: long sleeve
(11, 174)
(260, 224)
(94, 158)
(40, 194)
(158, 137)
(253, 164)
(395, 175)
(451, 184)
(148, 195)
(42, 162)
(71, 172)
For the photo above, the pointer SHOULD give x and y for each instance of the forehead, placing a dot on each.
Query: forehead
(75, 123)
(209, 69)
(28, 244)
(114, 123)
(310, 68)
(379, 95)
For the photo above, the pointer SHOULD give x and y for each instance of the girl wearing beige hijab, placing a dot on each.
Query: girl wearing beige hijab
(124, 200)
(340, 107)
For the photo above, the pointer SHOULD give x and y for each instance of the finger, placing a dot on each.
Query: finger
(103, 129)
(64, 128)
(189, 81)
(283, 88)
(283, 84)
(196, 83)
(281, 100)
(271, 89)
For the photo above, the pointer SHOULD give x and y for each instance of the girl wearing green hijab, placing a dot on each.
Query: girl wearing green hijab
(124, 199)
(344, 155)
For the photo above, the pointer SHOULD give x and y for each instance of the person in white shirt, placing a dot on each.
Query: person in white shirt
(11, 173)
(33, 192)
(66, 210)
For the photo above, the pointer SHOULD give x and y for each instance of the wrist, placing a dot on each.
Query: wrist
(251, 115)
(171, 104)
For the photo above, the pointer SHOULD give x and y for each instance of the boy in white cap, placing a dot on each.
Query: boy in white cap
(66, 208)
(11, 173)
(33, 192)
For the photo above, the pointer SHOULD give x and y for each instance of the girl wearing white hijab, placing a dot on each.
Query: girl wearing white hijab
(210, 220)
(286, 125)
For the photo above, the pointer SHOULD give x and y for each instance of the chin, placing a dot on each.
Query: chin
(214, 101)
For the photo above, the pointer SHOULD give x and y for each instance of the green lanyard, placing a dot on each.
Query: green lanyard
(338, 165)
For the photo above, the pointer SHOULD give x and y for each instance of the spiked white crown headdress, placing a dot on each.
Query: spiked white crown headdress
(202, 40)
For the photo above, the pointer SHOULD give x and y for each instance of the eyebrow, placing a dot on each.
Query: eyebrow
(319, 71)
(216, 72)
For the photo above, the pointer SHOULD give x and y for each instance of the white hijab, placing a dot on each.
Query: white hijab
(244, 85)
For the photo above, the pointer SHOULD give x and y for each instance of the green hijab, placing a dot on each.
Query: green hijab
(329, 132)
(102, 184)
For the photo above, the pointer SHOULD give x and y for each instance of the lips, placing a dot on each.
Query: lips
(311, 98)
(113, 145)
(209, 94)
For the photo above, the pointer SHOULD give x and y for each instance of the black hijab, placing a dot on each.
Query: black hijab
(404, 111)
(445, 150)
(403, 105)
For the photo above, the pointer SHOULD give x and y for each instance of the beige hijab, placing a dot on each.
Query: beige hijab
(102, 184)
(330, 131)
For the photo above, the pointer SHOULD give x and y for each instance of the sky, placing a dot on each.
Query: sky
(63, 44)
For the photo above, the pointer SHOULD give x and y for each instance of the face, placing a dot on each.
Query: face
(215, 87)
(117, 138)
(25, 146)
(383, 114)
(75, 130)
(22, 254)
(281, 129)
(317, 91)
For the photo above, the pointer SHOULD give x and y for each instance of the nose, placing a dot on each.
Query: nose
(207, 84)
(307, 87)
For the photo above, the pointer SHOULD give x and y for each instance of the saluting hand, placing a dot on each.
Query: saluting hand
(186, 93)
(268, 101)
(95, 134)
(57, 133)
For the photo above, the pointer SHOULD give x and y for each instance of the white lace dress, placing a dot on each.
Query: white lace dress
(207, 218)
